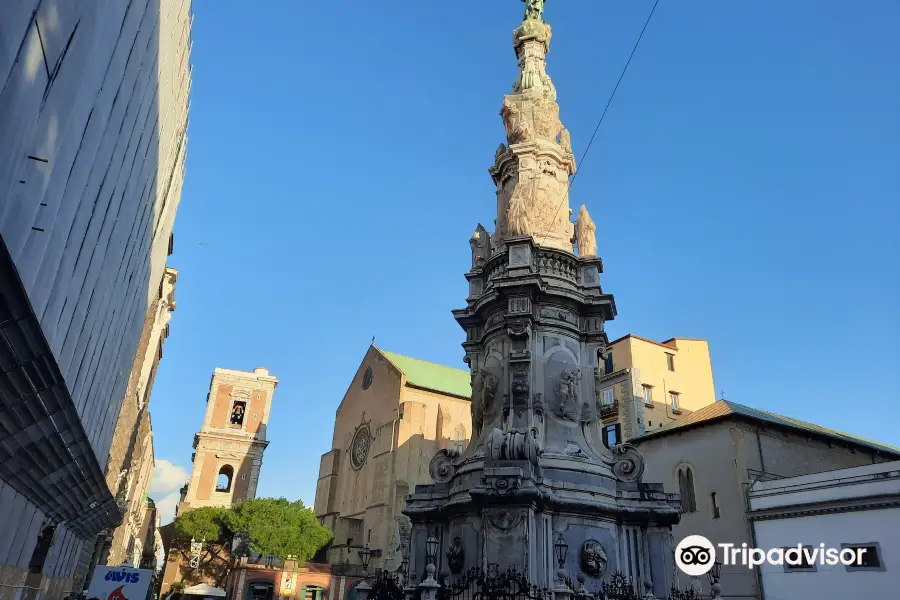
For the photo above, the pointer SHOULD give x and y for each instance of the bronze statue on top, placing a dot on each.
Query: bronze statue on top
(534, 9)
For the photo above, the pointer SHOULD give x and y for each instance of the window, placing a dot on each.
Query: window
(609, 396)
(459, 438)
(313, 593)
(803, 564)
(673, 400)
(608, 364)
(670, 361)
(237, 412)
(612, 435)
(715, 506)
(868, 554)
(223, 482)
(42, 548)
(686, 489)
(648, 394)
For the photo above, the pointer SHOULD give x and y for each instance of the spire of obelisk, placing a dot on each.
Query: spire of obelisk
(532, 172)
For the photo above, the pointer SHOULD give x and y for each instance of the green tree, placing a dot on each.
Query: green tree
(278, 527)
(204, 523)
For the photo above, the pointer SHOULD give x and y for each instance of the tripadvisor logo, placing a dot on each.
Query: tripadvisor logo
(695, 555)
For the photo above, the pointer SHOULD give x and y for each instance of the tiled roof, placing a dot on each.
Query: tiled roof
(432, 376)
(725, 408)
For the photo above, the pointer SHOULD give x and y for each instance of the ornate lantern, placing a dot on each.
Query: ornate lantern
(561, 549)
(431, 549)
(365, 554)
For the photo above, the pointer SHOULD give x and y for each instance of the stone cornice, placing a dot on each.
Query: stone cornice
(828, 507)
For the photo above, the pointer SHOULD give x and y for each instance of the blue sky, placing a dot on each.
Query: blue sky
(745, 185)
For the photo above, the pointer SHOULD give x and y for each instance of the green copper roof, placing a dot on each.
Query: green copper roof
(726, 408)
(432, 376)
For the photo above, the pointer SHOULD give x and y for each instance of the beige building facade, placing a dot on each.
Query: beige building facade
(399, 411)
(713, 456)
(228, 449)
(131, 460)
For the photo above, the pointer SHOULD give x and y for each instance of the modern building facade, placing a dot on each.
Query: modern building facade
(93, 118)
(856, 508)
(410, 408)
(713, 456)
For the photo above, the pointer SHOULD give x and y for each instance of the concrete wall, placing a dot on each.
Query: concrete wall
(724, 457)
(93, 116)
(91, 160)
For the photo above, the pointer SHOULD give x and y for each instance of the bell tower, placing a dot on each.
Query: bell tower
(228, 449)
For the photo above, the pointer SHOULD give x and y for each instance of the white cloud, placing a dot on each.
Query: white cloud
(166, 507)
(167, 478)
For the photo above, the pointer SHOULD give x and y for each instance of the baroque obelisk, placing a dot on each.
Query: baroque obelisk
(536, 472)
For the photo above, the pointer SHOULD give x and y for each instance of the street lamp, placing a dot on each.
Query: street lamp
(365, 554)
(713, 574)
(431, 548)
(561, 549)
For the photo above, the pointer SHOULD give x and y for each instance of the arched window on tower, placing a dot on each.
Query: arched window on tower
(223, 482)
(459, 438)
(686, 489)
(237, 413)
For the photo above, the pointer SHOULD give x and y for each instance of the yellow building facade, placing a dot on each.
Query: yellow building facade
(399, 411)
(663, 382)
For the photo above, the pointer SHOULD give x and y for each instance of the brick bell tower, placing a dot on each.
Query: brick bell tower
(228, 449)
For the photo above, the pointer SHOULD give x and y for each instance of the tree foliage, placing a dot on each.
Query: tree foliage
(278, 527)
(266, 525)
(204, 523)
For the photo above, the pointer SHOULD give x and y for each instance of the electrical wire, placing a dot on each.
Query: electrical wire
(603, 115)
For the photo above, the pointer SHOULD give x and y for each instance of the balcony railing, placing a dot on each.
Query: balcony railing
(609, 409)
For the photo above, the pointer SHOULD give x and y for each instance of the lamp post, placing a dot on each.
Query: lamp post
(363, 588)
(404, 568)
(430, 586)
(713, 576)
(560, 552)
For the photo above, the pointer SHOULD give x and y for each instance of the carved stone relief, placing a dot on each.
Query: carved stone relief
(593, 558)
(502, 518)
(456, 556)
(567, 404)
(483, 405)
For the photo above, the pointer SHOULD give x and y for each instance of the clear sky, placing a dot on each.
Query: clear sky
(745, 185)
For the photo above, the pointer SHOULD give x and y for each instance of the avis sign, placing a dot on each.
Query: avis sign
(120, 583)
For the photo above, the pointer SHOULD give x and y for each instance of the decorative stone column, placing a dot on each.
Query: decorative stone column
(537, 468)
(362, 590)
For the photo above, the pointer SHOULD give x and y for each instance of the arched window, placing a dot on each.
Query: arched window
(459, 438)
(686, 489)
(223, 482)
(237, 412)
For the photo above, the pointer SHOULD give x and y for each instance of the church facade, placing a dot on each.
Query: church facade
(397, 412)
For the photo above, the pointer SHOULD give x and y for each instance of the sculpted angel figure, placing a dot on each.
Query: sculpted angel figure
(567, 394)
(534, 9)
(585, 232)
(481, 247)
(484, 387)
(565, 140)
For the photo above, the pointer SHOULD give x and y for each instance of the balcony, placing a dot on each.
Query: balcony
(609, 409)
